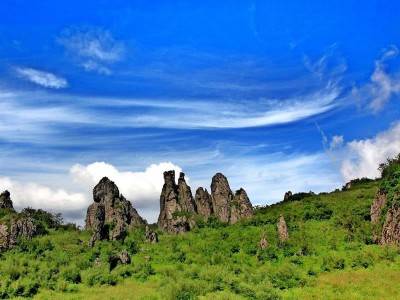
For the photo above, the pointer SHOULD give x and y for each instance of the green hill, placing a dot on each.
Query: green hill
(329, 255)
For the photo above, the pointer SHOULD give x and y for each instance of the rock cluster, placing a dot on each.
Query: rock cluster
(20, 226)
(287, 196)
(5, 201)
(178, 208)
(110, 215)
(151, 236)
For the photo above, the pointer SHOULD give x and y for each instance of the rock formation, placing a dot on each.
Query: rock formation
(287, 196)
(5, 201)
(176, 204)
(221, 196)
(151, 236)
(241, 207)
(282, 230)
(4, 237)
(391, 227)
(263, 244)
(377, 205)
(203, 203)
(110, 209)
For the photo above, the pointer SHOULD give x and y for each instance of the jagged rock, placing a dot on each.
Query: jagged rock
(391, 227)
(124, 257)
(118, 212)
(176, 205)
(22, 228)
(203, 203)
(282, 230)
(151, 236)
(97, 220)
(263, 242)
(4, 237)
(241, 207)
(287, 196)
(221, 196)
(377, 205)
(5, 201)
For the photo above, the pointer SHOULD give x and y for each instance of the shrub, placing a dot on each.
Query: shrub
(286, 277)
(332, 262)
(72, 275)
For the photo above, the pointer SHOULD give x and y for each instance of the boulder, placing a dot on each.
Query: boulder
(124, 257)
(5, 201)
(176, 205)
(118, 212)
(241, 207)
(263, 244)
(377, 205)
(282, 230)
(21, 228)
(4, 237)
(221, 196)
(203, 203)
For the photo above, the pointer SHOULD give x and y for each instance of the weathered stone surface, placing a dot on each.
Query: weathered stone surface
(241, 207)
(377, 205)
(5, 200)
(203, 203)
(221, 195)
(282, 229)
(21, 228)
(151, 236)
(176, 205)
(124, 257)
(4, 237)
(97, 220)
(263, 244)
(118, 212)
(287, 196)
(391, 227)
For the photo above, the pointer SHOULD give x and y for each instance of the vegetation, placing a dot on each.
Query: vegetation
(329, 255)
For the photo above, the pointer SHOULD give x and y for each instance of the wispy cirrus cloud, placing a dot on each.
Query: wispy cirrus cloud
(383, 85)
(42, 78)
(95, 49)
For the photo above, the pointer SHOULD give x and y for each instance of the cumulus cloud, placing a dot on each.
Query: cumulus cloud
(71, 205)
(46, 79)
(94, 48)
(336, 142)
(383, 85)
(142, 188)
(362, 157)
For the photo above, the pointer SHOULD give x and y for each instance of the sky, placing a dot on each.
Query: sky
(277, 95)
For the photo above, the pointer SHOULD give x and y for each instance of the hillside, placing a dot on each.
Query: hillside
(329, 255)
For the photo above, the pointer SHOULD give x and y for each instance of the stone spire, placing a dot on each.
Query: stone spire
(5, 200)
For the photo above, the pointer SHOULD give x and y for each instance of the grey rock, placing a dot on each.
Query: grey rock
(283, 233)
(391, 227)
(151, 236)
(4, 237)
(5, 201)
(241, 207)
(203, 203)
(221, 196)
(287, 196)
(97, 221)
(21, 228)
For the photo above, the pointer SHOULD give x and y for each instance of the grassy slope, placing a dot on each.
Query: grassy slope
(329, 256)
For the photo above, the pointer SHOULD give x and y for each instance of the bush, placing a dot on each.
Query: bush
(332, 262)
(286, 277)
(72, 275)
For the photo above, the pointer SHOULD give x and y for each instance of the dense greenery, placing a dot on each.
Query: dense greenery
(330, 240)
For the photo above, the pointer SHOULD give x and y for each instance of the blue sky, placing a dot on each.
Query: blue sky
(277, 95)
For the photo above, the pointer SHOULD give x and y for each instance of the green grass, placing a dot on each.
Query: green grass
(329, 256)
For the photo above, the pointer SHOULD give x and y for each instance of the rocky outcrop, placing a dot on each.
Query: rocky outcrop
(122, 258)
(287, 196)
(110, 209)
(95, 221)
(176, 204)
(376, 207)
(283, 233)
(203, 203)
(221, 195)
(391, 227)
(241, 207)
(5, 201)
(22, 228)
(151, 236)
(4, 237)
(263, 244)
(178, 208)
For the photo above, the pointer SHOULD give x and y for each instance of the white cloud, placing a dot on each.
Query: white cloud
(93, 48)
(383, 85)
(42, 78)
(336, 142)
(71, 205)
(141, 188)
(362, 157)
